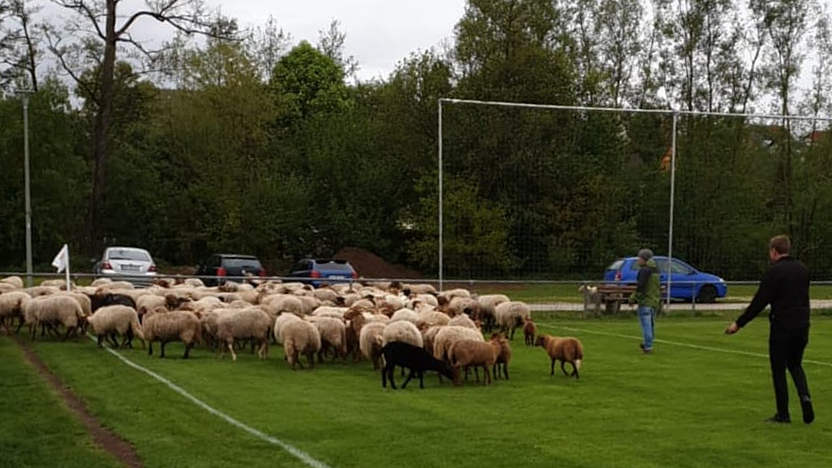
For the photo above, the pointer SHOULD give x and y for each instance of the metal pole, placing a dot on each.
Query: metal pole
(440, 197)
(27, 191)
(672, 196)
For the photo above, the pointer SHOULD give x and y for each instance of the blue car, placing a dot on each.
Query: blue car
(686, 282)
(323, 271)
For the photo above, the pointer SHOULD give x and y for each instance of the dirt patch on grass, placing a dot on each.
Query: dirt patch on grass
(370, 265)
(103, 437)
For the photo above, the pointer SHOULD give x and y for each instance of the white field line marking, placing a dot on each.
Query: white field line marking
(298, 453)
(686, 345)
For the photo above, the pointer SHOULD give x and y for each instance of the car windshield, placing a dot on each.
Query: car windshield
(135, 255)
(241, 262)
(615, 265)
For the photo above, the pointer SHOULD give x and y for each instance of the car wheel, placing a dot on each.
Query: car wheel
(707, 294)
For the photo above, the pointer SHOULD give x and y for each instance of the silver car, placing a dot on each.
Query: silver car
(134, 265)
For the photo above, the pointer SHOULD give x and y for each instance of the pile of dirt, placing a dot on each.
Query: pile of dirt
(370, 265)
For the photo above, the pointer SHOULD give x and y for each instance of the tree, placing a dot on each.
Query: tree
(108, 34)
(331, 43)
(18, 43)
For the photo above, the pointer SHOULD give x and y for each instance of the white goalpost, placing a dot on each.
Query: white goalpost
(673, 114)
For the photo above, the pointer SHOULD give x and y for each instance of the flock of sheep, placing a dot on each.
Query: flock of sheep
(411, 326)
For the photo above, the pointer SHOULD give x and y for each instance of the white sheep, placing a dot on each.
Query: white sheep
(420, 289)
(403, 331)
(370, 341)
(333, 336)
(15, 281)
(54, 310)
(449, 335)
(38, 291)
(113, 320)
(146, 303)
(12, 305)
(511, 315)
(251, 323)
(281, 321)
(171, 326)
(300, 337)
(463, 321)
(488, 303)
(405, 314)
(432, 318)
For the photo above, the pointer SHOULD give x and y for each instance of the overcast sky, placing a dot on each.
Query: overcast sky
(379, 32)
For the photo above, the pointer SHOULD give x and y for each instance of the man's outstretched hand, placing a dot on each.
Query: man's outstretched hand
(733, 328)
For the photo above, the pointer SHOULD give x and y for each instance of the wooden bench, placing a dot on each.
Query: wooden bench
(612, 295)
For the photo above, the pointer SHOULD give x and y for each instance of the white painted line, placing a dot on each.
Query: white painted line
(298, 453)
(686, 345)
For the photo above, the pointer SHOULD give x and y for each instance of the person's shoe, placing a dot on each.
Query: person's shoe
(808, 411)
(646, 350)
(641, 345)
(779, 419)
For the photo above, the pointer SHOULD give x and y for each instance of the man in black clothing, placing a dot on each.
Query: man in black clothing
(786, 287)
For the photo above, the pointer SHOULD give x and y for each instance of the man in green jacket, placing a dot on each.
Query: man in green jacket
(647, 296)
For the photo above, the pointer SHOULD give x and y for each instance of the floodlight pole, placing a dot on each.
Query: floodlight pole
(25, 96)
(672, 197)
(440, 195)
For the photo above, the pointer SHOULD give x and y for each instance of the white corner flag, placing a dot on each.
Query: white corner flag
(61, 262)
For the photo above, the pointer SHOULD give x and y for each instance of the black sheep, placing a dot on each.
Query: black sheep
(415, 358)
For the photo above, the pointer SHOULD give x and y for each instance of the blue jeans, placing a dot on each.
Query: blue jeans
(645, 317)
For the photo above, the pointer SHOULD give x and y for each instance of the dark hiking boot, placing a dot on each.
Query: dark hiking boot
(808, 411)
(779, 419)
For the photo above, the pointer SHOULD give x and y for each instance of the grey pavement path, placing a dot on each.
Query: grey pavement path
(577, 307)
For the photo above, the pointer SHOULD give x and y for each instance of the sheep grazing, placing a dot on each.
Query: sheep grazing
(171, 326)
(333, 337)
(11, 307)
(420, 289)
(54, 310)
(414, 358)
(103, 298)
(463, 321)
(251, 323)
(300, 337)
(463, 305)
(511, 315)
(149, 302)
(449, 335)
(529, 331)
(488, 303)
(280, 322)
(468, 353)
(109, 321)
(403, 331)
(38, 291)
(371, 341)
(15, 281)
(405, 314)
(504, 357)
(565, 349)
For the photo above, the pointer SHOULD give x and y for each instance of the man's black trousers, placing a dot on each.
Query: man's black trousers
(785, 350)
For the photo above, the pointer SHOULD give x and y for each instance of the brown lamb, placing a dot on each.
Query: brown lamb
(565, 349)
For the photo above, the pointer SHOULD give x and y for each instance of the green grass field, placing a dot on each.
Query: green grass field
(682, 406)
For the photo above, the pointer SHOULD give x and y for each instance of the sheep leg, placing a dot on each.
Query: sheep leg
(188, 350)
(68, 331)
(575, 371)
(19, 325)
(100, 339)
(112, 337)
(150, 348)
(554, 361)
(162, 354)
(563, 367)
(409, 376)
(233, 354)
(487, 379)
(477, 374)
(421, 379)
(311, 357)
(391, 375)
(505, 369)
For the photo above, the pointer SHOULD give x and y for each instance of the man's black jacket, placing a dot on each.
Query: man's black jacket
(786, 287)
